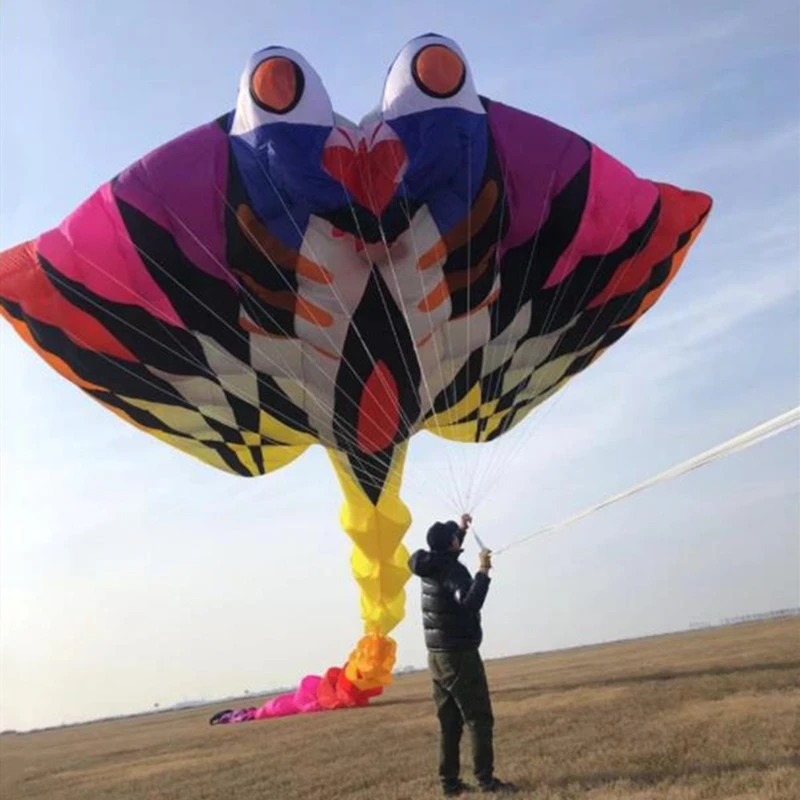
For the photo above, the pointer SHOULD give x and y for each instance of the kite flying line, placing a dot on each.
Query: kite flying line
(766, 430)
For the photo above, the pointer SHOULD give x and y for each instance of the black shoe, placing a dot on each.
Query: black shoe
(455, 789)
(496, 786)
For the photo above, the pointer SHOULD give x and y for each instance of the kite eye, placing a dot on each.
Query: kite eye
(429, 73)
(277, 84)
(438, 71)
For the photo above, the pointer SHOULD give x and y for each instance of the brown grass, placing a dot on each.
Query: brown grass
(707, 714)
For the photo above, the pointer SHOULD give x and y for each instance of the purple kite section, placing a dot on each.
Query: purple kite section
(181, 186)
(537, 160)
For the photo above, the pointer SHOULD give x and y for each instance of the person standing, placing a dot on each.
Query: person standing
(451, 612)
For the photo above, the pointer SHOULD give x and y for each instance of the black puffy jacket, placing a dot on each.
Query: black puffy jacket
(451, 601)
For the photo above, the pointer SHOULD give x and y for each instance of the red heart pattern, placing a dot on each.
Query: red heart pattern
(369, 173)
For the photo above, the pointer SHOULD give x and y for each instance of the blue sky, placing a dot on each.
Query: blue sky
(130, 574)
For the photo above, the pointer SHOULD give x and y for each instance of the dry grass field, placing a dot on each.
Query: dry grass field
(705, 714)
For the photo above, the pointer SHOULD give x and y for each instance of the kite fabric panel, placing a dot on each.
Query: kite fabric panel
(282, 277)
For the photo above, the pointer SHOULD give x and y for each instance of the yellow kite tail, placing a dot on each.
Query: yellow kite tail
(380, 565)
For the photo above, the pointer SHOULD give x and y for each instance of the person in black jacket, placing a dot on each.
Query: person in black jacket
(451, 606)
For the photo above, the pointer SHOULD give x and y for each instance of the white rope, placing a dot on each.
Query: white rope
(779, 424)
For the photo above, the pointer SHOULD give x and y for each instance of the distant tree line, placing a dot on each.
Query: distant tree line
(777, 614)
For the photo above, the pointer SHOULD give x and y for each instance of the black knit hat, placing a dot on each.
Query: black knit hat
(440, 536)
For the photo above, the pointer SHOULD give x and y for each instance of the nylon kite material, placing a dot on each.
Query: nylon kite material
(282, 277)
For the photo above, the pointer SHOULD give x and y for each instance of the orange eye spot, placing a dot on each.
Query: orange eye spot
(277, 84)
(439, 71)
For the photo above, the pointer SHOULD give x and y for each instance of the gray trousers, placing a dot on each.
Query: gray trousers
(461, 693)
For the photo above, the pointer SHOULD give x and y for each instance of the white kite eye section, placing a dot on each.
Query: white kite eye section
(279, 85)
(430, 72)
